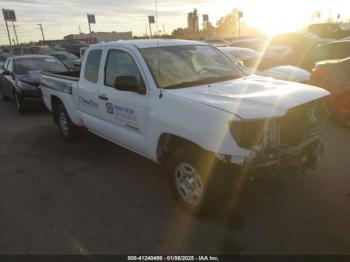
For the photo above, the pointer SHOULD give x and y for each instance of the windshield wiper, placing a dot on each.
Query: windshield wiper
(202, 82)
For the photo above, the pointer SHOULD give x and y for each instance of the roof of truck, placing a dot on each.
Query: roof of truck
(149, 43)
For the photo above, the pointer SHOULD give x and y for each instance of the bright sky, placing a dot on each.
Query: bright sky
(62, 17)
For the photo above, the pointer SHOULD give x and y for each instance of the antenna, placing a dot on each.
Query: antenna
(155, 1)
(158, 60)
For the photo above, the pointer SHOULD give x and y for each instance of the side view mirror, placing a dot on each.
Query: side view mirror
(128, 83)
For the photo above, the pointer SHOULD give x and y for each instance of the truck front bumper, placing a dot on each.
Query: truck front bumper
(300, 157)
(304, 155)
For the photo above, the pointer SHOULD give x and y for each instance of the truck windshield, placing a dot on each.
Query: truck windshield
(186, 66)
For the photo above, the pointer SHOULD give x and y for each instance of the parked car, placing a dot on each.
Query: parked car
(218, 42)
(256, 63)
(248, 57)
(82, 51)
(75, 48)
(3, 57)
(330, 30)
(29, 50)
(274, 54)
(252, 43)
(334, 76)
(333, 50)
(289, 73)
(299, 43)
(186, 105)
(69, 59)
(19, 80)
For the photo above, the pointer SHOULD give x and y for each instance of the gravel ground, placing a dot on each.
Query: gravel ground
(93, 197)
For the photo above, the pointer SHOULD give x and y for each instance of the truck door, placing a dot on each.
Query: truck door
(88, 93)
(124, 112)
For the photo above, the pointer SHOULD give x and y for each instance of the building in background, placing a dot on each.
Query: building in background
(193, 22)
(96, 37)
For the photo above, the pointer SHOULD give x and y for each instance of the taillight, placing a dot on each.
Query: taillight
(318, 73)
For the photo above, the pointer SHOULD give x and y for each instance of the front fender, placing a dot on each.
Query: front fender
(200, 124)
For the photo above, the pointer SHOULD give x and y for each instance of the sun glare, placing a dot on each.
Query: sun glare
(276, 18)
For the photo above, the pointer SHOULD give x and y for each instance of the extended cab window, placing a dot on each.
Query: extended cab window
(92, 65)
(120, 63)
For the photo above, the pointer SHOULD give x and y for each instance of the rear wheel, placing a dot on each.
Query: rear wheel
(188, 170)
(68, 130)
(2, 94)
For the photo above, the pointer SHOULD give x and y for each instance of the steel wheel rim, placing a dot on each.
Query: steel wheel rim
(63, 122)
(189, 184)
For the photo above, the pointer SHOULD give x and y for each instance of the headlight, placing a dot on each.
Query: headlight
(25, 86)
(248, 133)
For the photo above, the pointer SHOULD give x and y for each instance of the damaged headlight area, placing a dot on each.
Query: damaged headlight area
(248, 134)
(289, 141)
(299, 122)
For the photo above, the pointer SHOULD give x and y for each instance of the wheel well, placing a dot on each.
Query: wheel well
(55, 101)
(169, 143)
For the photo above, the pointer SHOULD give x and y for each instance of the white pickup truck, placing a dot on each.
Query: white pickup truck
(187, 105)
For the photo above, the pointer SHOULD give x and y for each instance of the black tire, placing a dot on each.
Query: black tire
(67, 129)
(3, 97)
(19, 103)
(195, 161)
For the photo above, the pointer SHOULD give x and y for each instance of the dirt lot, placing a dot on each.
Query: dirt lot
(93, 197)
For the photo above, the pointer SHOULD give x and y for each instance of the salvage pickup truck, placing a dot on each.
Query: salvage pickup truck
(186, 105)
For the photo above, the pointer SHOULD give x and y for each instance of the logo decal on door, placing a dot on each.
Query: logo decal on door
(109, 108)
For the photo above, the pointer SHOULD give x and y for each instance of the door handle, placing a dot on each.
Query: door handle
(103, 97)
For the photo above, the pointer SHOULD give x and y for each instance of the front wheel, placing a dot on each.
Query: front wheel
(188, 170)
(19, 103)
(2, 94)
(68, 130)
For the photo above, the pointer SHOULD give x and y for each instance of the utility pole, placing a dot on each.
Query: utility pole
(42, 32)
(79, 29)
(90, 31)
(155, 1)
(14, 29)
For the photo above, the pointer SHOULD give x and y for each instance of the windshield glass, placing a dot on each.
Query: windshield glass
(185, 66)
(70, 56)
(47, 64)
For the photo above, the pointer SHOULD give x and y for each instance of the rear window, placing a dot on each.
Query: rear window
(92, 65)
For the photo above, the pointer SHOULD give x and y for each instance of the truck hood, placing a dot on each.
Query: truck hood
(252, 97)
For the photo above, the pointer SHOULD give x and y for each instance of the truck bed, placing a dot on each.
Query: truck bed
(60, 82)
(67, 75)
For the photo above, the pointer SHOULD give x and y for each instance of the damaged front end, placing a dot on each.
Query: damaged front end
(290, 142)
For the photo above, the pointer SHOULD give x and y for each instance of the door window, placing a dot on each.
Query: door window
(92, 65)
(120, 63)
